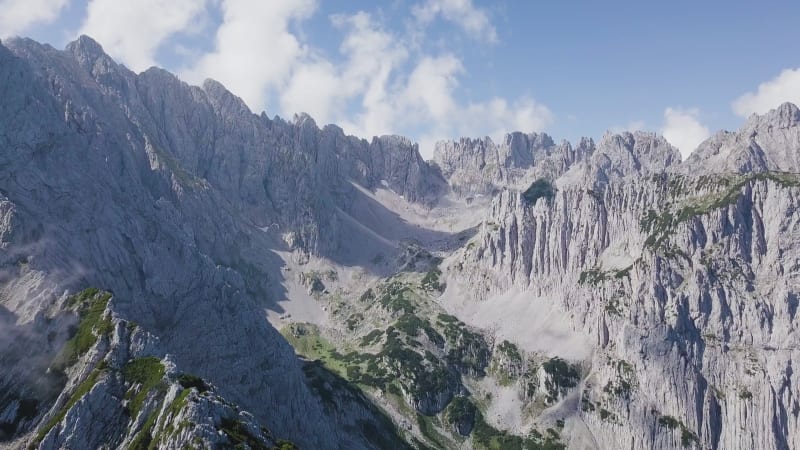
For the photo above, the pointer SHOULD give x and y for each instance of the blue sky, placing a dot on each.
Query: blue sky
(436, 69)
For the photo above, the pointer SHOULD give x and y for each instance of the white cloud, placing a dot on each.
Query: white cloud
(371, 55)
(132, 31)
(430, 87)
(254, 48)
(18, 15)
(315, 89)
(431, 100)
(633, 125)
(462, 12)
(381, 83)
(771, 94)
(683, 129)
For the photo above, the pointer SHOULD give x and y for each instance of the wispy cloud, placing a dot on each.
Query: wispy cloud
(682, 128)
(254, 50)
(381, 82)
(770, 94)
(475, 21)
(17, 16)
(132, 32)
(633, 125)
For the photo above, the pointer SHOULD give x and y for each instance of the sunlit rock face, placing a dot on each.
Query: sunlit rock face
(685, 272)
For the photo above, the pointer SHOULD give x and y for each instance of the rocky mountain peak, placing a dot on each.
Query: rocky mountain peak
(638, 152)
(766, 142)
(224, 100)
(304, 121)
(787, 115)
(90, 54)
(85, 49)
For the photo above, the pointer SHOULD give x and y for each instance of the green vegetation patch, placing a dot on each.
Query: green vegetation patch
(184, 178)
(178, 403)
(354, 320)
(484, 436)
(744, 394)
(662, 225)
(562, 377)
(510, 351)
(91, 305)
(624, 382)
(78, 394)
(192, 381)
(460, 415)
(413, 325)
(468, 352)
(430, 282)
(308, 342)
(396, 298)
(148, 373)
(427, 426)
(339, 394)
(422, 376)
(508, 364)
(144, 439)
(540, 188)
(594, 277)
(240, 436)
(687, 436)
(371, 338)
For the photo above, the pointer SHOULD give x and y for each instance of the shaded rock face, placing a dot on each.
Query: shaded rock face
(156, 190)
(682, 274)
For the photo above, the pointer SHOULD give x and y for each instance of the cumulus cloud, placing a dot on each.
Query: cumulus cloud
(370, 56)
(254, 48)
(431, 96)
(633, 125)
(380, 83)
(683, 129)
(133, 31)
(462, 12)
(19, 15)
(426, 102)
(771, 94)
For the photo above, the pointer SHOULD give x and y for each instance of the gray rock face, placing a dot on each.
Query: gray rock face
(626, 155)
(156, 190)
(767, 142)
(686, 284)
(481, 167)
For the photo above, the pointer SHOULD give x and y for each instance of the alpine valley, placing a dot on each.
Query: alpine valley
(178, 272)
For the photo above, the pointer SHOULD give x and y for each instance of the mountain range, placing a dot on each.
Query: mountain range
(178, 272)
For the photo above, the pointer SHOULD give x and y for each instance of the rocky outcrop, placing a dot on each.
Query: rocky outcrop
(684, 283)
(767, 142)
(481, 167)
